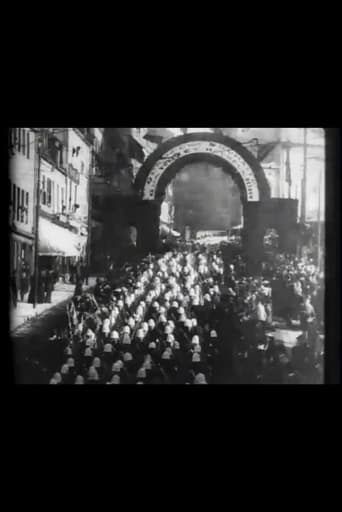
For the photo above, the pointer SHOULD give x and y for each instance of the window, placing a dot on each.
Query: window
(18, 204)
(48, 192)
(28, 145)
(43, 196)
(22, 206)
(14, 202)
(26, 207)
(62, 200)
(53, 202)
(70, 194)
(23, 149)
(58, 204)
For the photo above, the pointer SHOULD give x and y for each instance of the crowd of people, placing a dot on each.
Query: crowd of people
(190, 317)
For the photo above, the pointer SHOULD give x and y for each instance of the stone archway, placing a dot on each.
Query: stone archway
(170, 157)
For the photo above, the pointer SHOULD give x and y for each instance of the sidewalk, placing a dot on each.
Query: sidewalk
(24, 313)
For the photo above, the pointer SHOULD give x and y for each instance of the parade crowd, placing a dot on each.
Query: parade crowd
(190, 317)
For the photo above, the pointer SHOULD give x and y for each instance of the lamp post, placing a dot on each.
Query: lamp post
(36, 241)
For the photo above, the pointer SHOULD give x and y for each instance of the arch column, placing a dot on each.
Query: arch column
(253, 234)
(148, 226)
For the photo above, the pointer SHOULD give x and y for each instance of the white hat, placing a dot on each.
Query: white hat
(188, 323)
(182, 318)
(88, 352)
(71, 362)
(195, 339)
(115, 379)
(197, 348)
(68, 351)
(114, 335)
(96, 362)
(181, 310)
(171, 323)
(116, 367)
(167, 329)
(145, 326)
(140, 334)
(170, 338)
(79, 379)
(53, 381)
(166, 355)
(156, 304)
(175, 304)
(152, 345)
(151, 322)
(213, 334)
(196, 357)
(194, 322)
(92, 373)
(65, 369)
(147, 365)
(127, 356)
(58, 377)
(200, 379)
(141, 373)
(162, 310)
(162, 318)
(108, 347)
(126, 329)
(126, 340)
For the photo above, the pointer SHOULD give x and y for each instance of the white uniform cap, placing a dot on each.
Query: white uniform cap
(200, 379)
(213, 334)
(170, 338)
(166, 355)
(195, 339)
(151, 322)
(79, 379)
(197, 348)
(167, 329)
(126, 329)
(141, 373)
(65, 369)
(194, 322)
(196, 357)
(96, 362)
(116, 367)
(126, 340)
(108, 347)
(115, 379)
(92, 373)
(140, 333)
(58, 377)
(71, 362)
(114, 335)
(88, 352)
(152, 345)
(127, 356)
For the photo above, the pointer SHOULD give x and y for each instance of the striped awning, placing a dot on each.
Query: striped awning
(57, 241)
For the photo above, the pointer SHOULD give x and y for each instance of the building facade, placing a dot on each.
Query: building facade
(22, 165)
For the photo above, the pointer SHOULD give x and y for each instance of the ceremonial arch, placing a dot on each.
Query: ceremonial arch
(171, 156)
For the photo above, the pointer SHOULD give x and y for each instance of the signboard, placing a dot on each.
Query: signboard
(74, 175)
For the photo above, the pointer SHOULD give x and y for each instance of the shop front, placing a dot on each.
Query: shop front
(59, 249)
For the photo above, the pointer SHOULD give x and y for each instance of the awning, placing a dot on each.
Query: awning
(57, 241)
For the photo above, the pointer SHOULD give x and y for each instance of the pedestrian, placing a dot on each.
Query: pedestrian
(24, 280)
(14, 289)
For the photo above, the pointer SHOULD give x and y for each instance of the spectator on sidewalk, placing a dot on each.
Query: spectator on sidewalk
(24, 280)
(13, 289)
